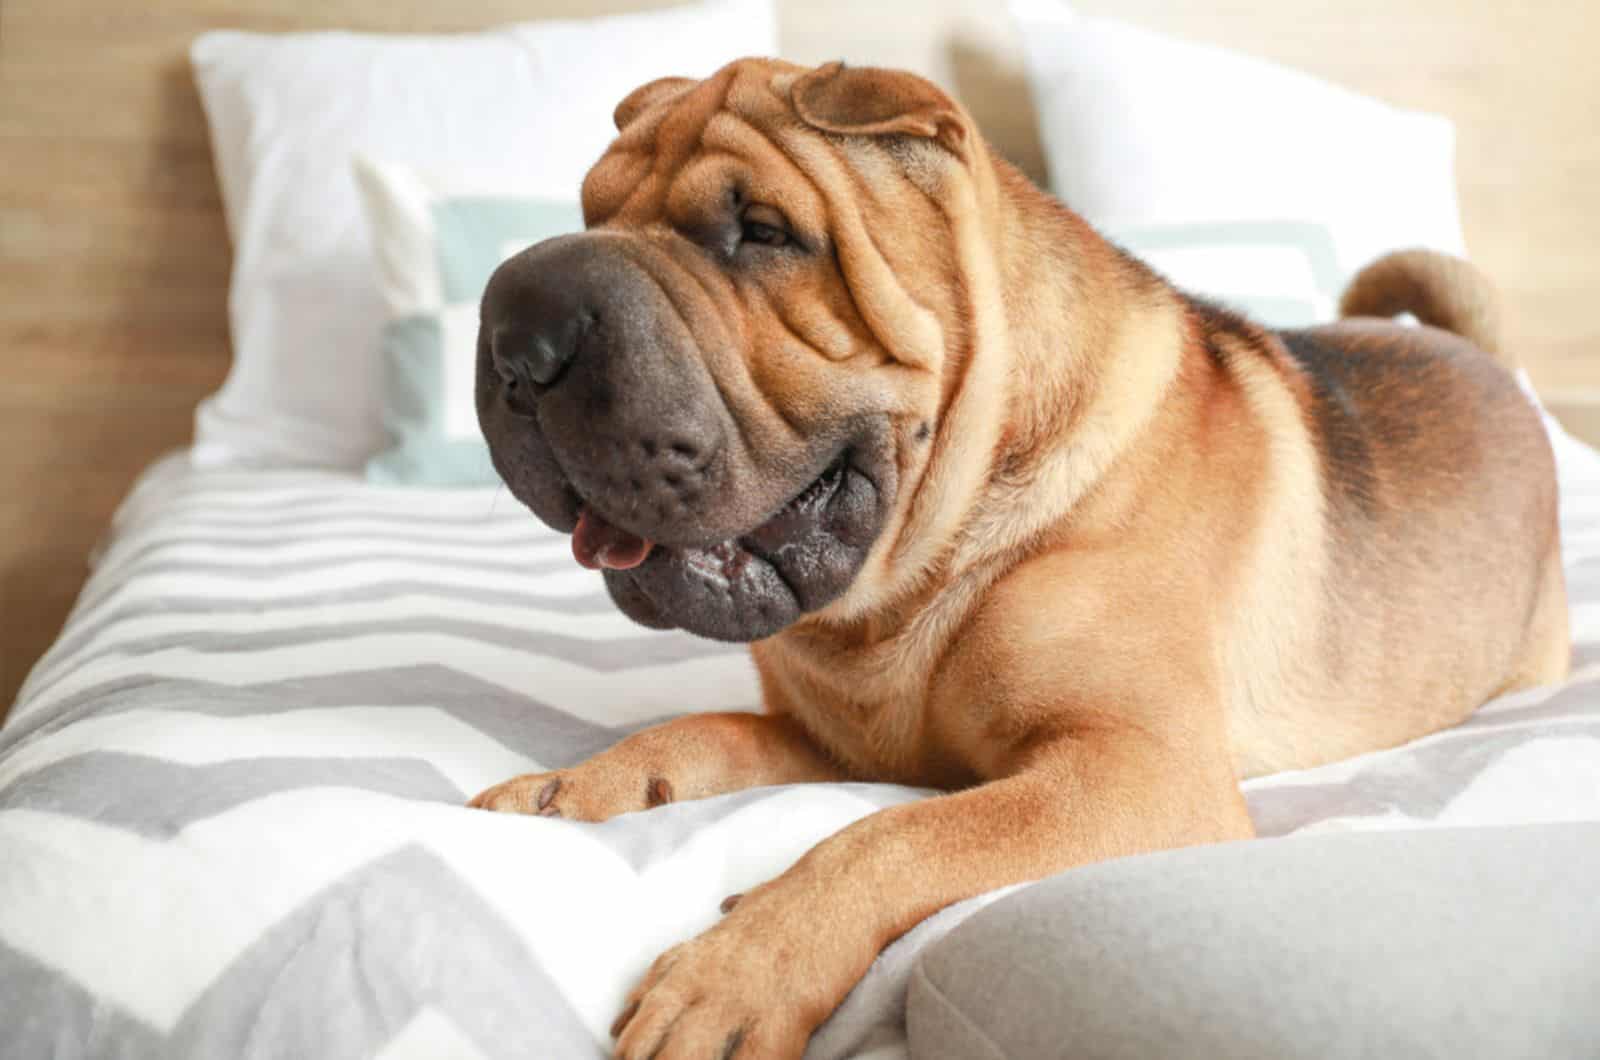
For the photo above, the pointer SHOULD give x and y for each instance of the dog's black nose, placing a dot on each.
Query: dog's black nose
(535, 348)
(584, 357)
(544, 315)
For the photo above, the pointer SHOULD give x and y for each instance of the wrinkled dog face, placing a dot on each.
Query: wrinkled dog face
(723, 388)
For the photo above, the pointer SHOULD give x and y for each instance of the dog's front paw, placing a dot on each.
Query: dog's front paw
(591, 791)
(746, 989)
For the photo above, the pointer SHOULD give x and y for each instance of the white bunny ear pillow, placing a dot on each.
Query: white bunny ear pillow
(530, 101)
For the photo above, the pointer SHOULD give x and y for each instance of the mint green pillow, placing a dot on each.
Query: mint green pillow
(436, 241)
(1284, 274)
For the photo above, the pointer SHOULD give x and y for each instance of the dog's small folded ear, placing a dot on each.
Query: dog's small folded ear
(648, 95)
(868, 101)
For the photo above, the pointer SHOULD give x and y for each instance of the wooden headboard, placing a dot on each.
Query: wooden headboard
(114, 259)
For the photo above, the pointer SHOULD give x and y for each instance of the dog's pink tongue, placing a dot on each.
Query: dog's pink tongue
(598, 545)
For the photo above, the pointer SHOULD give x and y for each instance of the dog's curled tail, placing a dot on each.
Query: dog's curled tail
(1439, 290)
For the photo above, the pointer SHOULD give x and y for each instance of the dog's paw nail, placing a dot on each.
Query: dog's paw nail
(550, 811)
(729, 902)
(548, 792)
(658, 792)
(622, 1020)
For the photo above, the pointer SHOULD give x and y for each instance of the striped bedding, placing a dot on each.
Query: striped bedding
(231, 795)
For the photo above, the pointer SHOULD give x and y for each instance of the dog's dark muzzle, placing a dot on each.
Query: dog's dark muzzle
(589, 379)
(597, 400)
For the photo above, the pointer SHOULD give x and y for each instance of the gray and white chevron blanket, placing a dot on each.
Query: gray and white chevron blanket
(231, 818)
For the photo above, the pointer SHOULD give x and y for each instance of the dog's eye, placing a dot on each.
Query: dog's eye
(766, 235)
(765, 227)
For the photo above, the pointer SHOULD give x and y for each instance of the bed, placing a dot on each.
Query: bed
(245, 761)
(232, 791)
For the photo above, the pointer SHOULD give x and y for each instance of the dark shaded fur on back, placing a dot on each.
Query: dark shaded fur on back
(1342, 430)
(1388, 395)
(1371, 396)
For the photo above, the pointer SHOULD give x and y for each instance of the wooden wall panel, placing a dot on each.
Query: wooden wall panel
(114, 262)
(113, 257)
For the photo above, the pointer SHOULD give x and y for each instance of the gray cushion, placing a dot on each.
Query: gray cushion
(1480, 942)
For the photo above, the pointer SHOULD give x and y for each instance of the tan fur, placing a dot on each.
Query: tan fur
(1146, 548)
(1274, 613)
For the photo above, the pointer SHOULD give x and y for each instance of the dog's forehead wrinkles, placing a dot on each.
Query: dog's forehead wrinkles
(662, 140)
(906, 327)
(740, 130)
(737, 110)
(772, 174)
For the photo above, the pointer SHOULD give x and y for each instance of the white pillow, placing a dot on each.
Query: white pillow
(287, 113)
(1144, 130)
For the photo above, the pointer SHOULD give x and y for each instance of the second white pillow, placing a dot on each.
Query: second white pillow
(1143, 130)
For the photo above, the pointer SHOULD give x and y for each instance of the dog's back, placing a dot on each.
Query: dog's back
(1443, 577)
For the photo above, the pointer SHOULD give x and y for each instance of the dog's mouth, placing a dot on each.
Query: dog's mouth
(798, 559)
(599, 544)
